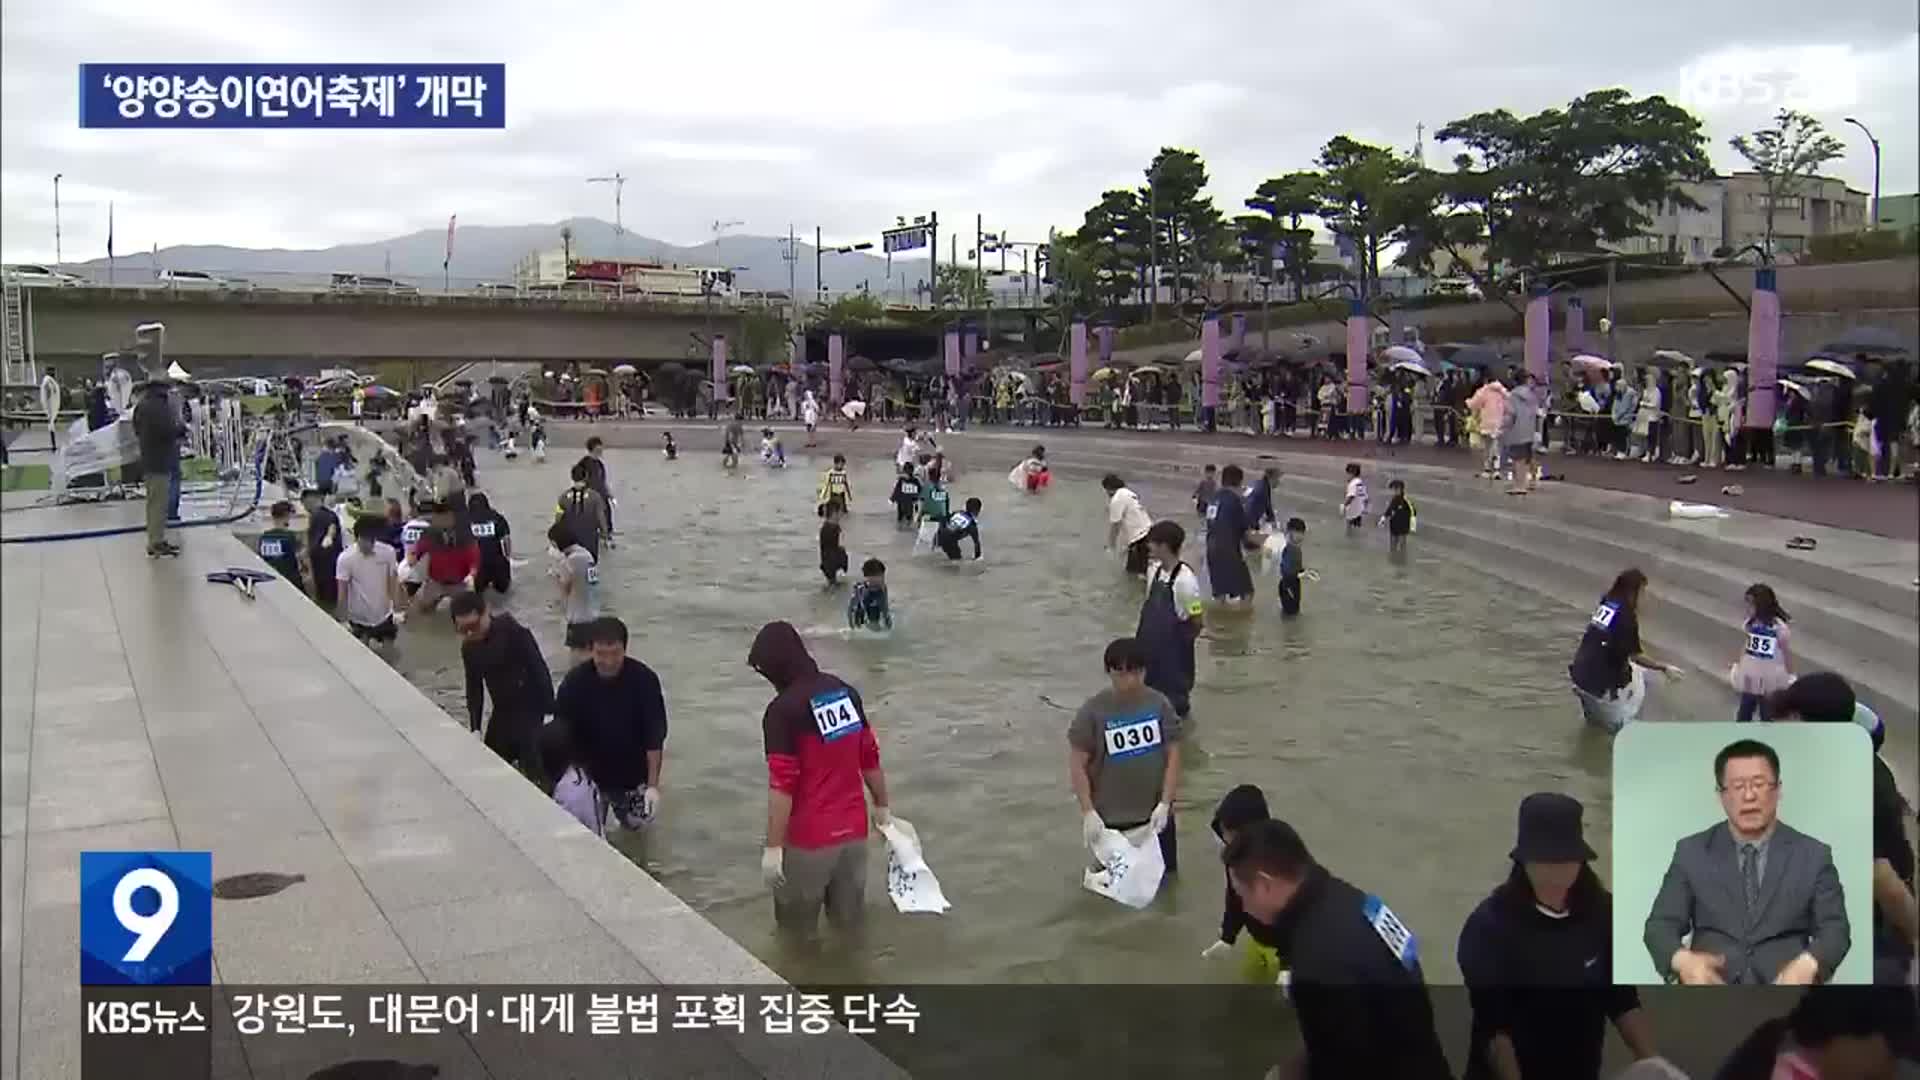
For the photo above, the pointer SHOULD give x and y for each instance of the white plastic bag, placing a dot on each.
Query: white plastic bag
(1130, 867)
(1679, 509)
(910, 881)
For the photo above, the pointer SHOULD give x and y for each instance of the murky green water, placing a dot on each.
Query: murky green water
(1397, 723)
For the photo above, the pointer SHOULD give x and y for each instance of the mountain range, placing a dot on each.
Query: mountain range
(488, 253)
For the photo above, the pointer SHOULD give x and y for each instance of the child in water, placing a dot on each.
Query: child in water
(958, 527)
(835, 487)
(1353, 506)
(1032, 475)
(730, 449)
(279, 546)
(572, 788)
(906, 496)
(1203, 491)
(538, 440)
(1293, 566)
(1399, 518)
(833, 557)
(668, 447)
(1763, 665)
(867, 608)
(772, 454)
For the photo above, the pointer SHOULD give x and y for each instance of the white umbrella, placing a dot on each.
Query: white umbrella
(1192, 357)
(1832, 367)
(177, 373)
(740, 369)
(854, 410)
(1414, 366)
(1590, 362)
(1674, 356)
(1401, 354)
(625, 369)
(1793, 387)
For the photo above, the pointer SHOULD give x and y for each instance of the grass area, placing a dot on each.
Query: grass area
(38, 477)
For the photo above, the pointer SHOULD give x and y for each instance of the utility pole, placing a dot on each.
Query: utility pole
(933, 258)
(1612, 265)
(56, 218)
(1153, 248)
(619, 183)
(793, 257)
(979, 279)
(819, 283)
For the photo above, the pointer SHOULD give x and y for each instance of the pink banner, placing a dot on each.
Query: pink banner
(1576, 329)
(1763, 350)
(1104, 335)
(1357, 404)
(836, 370)
(1537, 325)
(1239, 331)
(1077, 362)
(1210, 362)
(953, 353)
(721, 392)
(969, 347)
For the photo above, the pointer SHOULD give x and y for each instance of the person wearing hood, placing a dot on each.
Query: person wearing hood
(1243, 807)
(1537, 958)
(820, 750)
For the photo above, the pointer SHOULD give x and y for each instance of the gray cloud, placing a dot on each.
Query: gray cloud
(845, 113)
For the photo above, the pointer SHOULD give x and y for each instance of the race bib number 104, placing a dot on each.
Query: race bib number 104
(835, 715)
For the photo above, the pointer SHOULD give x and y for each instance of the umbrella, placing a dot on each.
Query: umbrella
(1192, 357)
(498, 380)
(625, 369)
(854, 409)
(1671, 358)
(1472, 356)
(593, 372)
(1104, 374)
(1401, 354)
(1872, 340)
(463, 382)
(1589, 362)
(740, 369)
(860, 363)
(1414, 366)
(1793, 387)
(1832, 367)
(382, 391)
(1149, 369)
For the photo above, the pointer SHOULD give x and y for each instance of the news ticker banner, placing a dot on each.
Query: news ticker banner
(293, 95)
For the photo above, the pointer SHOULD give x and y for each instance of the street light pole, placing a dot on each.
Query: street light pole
(56, 219)
(1876, 169)
(619, 183)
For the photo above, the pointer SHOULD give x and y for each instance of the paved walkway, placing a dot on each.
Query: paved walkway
(147, 708)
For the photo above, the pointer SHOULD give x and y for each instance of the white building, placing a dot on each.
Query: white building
(1692, 235)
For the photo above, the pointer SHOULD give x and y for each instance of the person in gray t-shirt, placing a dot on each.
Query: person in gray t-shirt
(1519, 430)
(1124, 753)
(579, 576)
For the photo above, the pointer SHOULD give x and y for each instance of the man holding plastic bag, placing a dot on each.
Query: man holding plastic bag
(1123, 757)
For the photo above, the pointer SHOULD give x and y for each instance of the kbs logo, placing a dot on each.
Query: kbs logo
(1807, 79)
(146, 918)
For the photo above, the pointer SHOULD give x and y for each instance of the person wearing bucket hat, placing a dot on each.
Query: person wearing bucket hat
(1823, 696)
(1537, 958)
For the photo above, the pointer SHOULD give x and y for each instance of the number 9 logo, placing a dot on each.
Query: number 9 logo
(148, 930)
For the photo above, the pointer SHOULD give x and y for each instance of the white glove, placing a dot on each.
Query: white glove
(1091, 826)
(771, 869)
(649, 803)
(399, 618)
(1218, 948)
(1161, 811)
(882, 817)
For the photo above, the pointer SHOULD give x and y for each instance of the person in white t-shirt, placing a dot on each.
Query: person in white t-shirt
(1127, 522)
(1353, 506)
(369, 580)
(909, 448)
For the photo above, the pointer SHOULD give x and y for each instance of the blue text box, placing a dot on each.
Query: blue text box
(293, 95)
(146, 918)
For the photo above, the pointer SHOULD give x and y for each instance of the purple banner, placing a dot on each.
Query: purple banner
(1104, 335)
(1239, 330)
(1357, 404)
(721, 391)
(1077, 362)
(1576, 329)
(1763, 350)
(1537, 329)
(1210, 362)
(953, 353)
(836, 370)
(969, 347)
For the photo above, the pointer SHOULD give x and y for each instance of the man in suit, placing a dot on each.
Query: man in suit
(1762, 900)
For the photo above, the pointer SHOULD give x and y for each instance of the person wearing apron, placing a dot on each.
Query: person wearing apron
(1170, 617)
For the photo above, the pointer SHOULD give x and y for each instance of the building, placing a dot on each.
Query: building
(1818, 206)
(541, 268)
(1899, 212)
(1690, 235)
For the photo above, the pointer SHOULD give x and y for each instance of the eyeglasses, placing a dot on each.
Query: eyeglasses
(1755, 787)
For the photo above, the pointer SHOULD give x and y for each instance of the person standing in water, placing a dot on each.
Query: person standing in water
(1763, 666)
(1123, 754)
(499, 656)
(1171, 617)
(867, 608)
(1399, 517)
(1203, 493)
(490, 530)
(1228, 534)
(1293, 566)
(584, 511)
(835, 485)
(934, 504)
(1353, 504)
(906, 496)
(810, 415)
(1605, 668)
(820, 750)
(578, 575)
(279, 546)
(833, 555)
(596, 469)
(1128, 520)
(616, 717)
(324, 544)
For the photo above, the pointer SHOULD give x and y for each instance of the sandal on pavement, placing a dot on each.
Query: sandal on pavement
(1802, 543)
(1687, 479)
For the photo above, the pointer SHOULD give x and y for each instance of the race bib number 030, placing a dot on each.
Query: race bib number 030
(1133, 736)
(1604, 615)
(1763, 646)
(835, 715)
(1399, 940)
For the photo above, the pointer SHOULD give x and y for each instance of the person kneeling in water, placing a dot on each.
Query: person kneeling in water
(1032, 474)
(772, 453)
(958, 527)
(867, 608)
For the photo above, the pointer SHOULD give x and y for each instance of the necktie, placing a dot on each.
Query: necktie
(1750, 874)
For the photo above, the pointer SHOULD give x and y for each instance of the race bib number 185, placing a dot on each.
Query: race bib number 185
(1762, 646)
(835, 715)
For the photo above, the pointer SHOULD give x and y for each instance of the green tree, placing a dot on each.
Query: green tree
(763, 335)
(1564, 180)
(1181, 216)
(854, 310)
(1785, 154)
(1364, 197)
(961, 286)
(1112, 245)
(1286, 200)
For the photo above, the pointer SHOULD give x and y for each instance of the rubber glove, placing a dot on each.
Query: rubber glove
(649, 803)
(771, 869)
(882, 817)
(1161, 811)
(1091, 826)
(400, 618)
(1218, 948)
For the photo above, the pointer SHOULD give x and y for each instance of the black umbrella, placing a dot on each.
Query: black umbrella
(501, 380)
(1483, 357)
(1873, 340)
(860, 363)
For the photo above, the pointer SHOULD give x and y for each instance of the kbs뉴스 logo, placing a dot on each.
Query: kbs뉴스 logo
(1807, 79)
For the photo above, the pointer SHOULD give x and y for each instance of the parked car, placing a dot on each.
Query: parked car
(1459, 286)
(494, 288)
(32, 274)
(191, 279)
(370, 283)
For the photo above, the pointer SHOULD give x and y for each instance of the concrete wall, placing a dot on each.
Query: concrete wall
(303, 330)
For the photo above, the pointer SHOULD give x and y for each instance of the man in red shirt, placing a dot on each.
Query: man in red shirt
(450, 555)
(820, 748)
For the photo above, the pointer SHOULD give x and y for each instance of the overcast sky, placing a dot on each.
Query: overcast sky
(845, 113)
